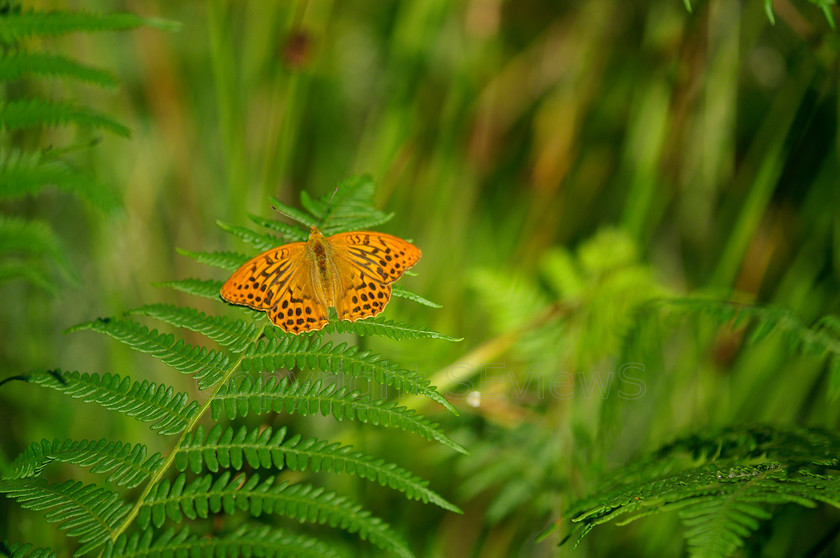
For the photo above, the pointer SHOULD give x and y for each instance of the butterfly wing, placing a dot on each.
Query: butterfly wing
(279, 281)
(368, 262)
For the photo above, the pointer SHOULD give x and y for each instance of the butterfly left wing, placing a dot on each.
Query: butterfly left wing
(278, 281)
(368, 262)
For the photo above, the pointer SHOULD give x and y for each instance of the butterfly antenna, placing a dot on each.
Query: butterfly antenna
(284, 214)
(327, 207)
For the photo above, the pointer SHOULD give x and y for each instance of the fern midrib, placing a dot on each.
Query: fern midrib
(170, 459)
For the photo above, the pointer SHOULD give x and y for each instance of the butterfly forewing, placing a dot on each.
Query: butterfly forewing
(261, 281)
(278, 281)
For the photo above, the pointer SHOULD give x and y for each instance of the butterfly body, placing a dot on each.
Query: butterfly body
(297, 283)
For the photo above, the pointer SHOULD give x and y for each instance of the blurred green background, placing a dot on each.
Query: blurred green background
(557, 162)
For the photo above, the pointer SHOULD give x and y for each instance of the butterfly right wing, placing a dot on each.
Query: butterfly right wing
(279, 282)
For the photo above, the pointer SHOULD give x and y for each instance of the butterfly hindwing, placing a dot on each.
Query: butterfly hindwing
(368, 263)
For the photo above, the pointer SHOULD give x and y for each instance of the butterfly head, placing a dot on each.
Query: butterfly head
(314, 233)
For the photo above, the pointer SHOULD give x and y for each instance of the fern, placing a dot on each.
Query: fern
(824, 6)
(22, 63)
(722, 483)
(239, 398)
(227, 468)
(821, 341)
(262, 541)
(128, 465)
(25, 551)
(29, 171)
(167, 412)
(30, 113)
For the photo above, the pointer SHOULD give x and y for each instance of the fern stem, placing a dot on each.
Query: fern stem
(170, 459)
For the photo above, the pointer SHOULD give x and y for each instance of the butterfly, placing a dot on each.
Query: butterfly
(297, 283)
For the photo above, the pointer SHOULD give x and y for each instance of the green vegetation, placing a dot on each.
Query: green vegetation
(622, 337)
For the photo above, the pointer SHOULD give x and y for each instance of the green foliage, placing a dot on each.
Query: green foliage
(721, 482)
(823, 5)
(25, 551)
(230, 455)
(26, 172)
(260, 541)
(821, 341)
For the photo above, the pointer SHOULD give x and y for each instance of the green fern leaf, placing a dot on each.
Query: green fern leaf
(22, 243)
(261, 242)
(206, 495)
(208, 366)
(381, 326)
(158, 404)
(722, 501)
(294, 213)
(264, 541)
(17, 26)
(23, 174)
(30, 113)
(237, 399)
(279, 351)
(128, 466)
(13, 550)
(266, 449)
(234, 335)
(348, 208)
(21, 63)
(84, 511)
(413, 297)
(290, 233)
(225, 260)
(206, 288)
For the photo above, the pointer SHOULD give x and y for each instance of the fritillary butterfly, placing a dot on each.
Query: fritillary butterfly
(297, 283)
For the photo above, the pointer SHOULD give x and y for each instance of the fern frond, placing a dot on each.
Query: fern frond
(24, 237)
(237, 399)
(818, 341)
(235, 335)
(224, 260)
(206, 365)
(294, 213)
(413, 297)
(14, 550)
(158, 404)
(261, 242)
(289, 233)
(380, 326)
(349, 208)
(747, 472)
(21, 63)
(83, 510)
(128, 465)
(30, 113)
(206, 288)
(264, 541)
(278, 351)
(23, 174)
(206, 495)
(266, 449)
(17, 26)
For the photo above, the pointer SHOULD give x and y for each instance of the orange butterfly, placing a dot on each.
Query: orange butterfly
(296, 283)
